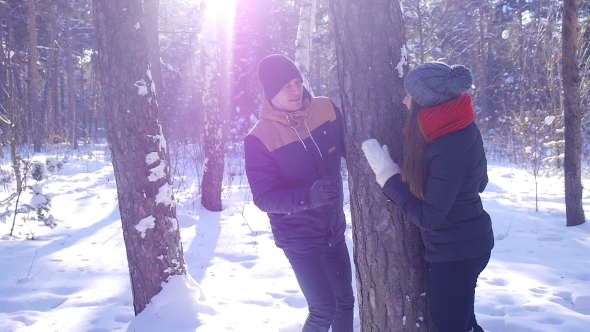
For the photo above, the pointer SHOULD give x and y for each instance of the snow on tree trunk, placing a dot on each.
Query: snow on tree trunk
(139, 150)
(391, 273)
(214, 133)
(573, 115)
(304, 39)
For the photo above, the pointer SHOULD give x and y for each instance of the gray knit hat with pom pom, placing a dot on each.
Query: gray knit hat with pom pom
(434, 83)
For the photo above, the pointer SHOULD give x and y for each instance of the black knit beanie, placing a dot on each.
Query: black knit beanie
(274, 72)
(433, 83)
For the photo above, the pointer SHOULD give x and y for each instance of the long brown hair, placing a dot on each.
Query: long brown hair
(414, 170)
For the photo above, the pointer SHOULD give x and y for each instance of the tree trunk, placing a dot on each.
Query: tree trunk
(47, 92)
(420, 27)
(573, 115)
(71, 81)
(391, 273)
(15, 110)
(482, 56)
(139, 149)
(35, 116)
(84, 108)
(57, 128)
(213, 110)
(304, 40)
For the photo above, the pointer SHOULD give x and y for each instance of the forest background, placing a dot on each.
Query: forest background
(52, 94)
(512, 47)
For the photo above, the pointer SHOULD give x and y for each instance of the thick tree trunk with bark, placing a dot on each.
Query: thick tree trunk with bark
(138, 147)
(390, 271)
(573, 115)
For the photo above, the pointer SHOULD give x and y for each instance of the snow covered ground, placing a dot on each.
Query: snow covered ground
(74, 277)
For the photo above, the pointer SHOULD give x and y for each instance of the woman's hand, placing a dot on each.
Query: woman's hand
(380, 161)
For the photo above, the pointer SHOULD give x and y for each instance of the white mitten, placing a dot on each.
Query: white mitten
(380, 161)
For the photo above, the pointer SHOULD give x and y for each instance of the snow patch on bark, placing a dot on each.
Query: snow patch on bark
(158, 172)
(164, 195)
(141, 86)
(402, 62)
(144, 224)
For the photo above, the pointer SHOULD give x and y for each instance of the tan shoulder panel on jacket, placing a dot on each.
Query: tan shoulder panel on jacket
(320, 112)
(275, 135)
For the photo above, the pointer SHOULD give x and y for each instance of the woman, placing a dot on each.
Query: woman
(438, 188)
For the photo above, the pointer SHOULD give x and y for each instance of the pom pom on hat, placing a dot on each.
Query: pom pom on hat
(435, 83)
(274, 72)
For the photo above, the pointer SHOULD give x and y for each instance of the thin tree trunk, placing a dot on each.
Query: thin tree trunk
(56, 127)
(573, 115)
(35, 116)
(71, 81)
(15, 109)
(84, 108)
(420, 30)
(304, 40)
(213, 110)
(139, 149)
(391, 273)
(50, 87)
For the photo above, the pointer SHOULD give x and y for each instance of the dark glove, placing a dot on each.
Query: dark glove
(325, 191)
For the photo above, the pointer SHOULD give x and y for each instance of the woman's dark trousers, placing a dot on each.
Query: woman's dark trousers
(452, 293)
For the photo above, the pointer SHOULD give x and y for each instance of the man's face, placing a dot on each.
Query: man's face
(290, 97)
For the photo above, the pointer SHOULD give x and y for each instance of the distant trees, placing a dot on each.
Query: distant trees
(513, 48)
(37, 48)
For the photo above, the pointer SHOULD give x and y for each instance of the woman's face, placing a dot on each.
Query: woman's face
(407, 100)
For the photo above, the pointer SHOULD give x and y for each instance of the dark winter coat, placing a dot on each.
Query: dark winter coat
(452, 222)
(282, 162)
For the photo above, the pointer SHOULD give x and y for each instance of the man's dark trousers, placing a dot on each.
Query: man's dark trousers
(325, 277)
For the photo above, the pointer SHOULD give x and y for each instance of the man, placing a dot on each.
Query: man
(293, 158)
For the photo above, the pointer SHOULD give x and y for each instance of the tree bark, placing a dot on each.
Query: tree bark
(138, 146)
(35, 116)
(391, 273)
(572, 114)
(214, 129)
(71, 81)
(15, 110)
(304, 40)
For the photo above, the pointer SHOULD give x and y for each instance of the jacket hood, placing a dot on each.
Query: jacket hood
(289, 118)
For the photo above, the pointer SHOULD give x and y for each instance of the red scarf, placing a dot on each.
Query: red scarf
(447, 118)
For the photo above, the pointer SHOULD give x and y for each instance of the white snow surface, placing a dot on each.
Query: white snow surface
(75, 277)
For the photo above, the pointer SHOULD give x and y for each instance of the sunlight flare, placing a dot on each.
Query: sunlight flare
(221, 11)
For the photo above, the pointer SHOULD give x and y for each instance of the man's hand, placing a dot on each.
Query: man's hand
(380, 161)
(325, 191)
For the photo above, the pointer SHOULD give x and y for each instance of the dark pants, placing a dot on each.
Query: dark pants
(325, 277)
(452, 294)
